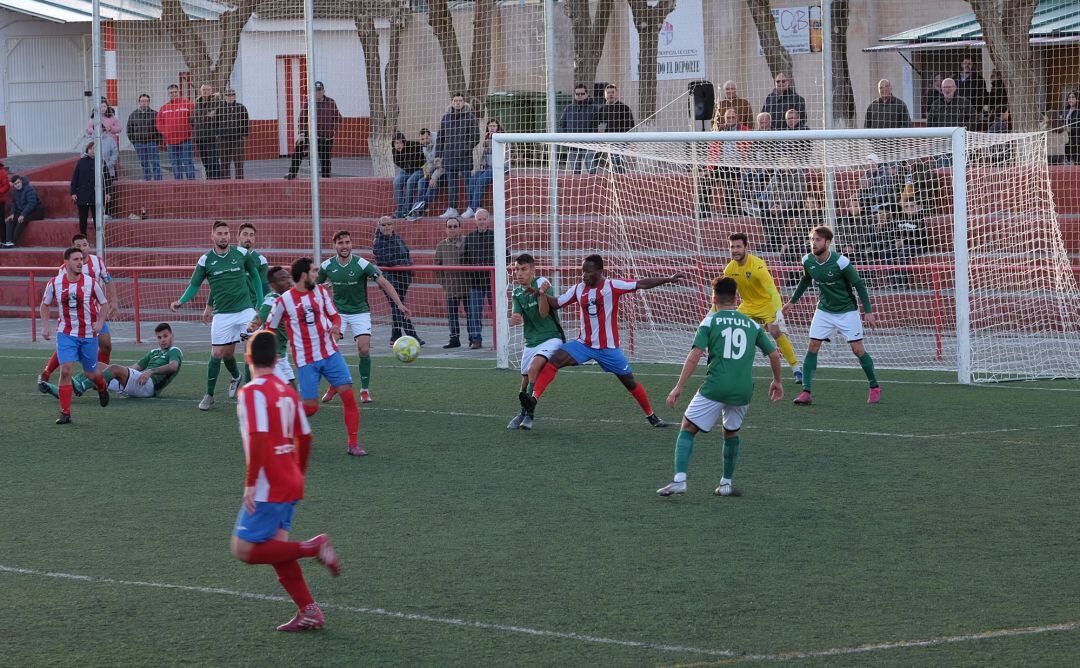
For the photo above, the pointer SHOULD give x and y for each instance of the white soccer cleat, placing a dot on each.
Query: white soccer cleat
(206, 403)
(234, 385)
(725, 489)
(365, 396)
(451, 212)
(672, 488)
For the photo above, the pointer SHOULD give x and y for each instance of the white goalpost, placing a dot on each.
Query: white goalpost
(954, 233)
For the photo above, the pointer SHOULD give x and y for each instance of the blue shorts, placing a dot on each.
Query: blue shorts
(82, 349)
(263, 524)
(104, 329)
(612, 360)
(333, 368)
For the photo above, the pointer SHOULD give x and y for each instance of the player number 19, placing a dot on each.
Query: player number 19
(734, 343)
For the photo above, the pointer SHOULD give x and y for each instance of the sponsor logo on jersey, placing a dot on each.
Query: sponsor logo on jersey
(284, 449)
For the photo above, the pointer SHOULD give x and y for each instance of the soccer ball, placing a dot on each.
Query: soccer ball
(406, 349)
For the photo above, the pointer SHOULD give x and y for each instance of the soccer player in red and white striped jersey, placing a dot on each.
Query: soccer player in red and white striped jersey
(277, 443)
(598, 337)
(314, 326)
(83, 311)
(94, 267)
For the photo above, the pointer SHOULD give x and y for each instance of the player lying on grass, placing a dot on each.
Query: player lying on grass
(277, 443)
(837, 282)
(279, 282)
(147, 378)
(542, 332)
(729, 337)
(598, 335)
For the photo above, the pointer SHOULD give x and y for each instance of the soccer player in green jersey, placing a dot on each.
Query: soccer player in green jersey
(146, 378)
(542, 331)
(349, 275)
(236, 287)
(279, 281)
(730, 338)
(837, 283)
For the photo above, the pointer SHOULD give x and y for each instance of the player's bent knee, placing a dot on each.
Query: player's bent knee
(689, 426)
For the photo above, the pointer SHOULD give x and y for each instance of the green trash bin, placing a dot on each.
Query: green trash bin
(507, 107)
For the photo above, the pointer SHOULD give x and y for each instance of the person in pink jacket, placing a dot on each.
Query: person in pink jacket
(110, 135)
(174, 124)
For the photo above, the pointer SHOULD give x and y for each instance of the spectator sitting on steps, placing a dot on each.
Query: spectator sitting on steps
(26, 207)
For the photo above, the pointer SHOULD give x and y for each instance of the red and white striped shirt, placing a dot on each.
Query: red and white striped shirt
(308, 317)
(94, 267)
(599, 310)
(270, 423)
(78, 302)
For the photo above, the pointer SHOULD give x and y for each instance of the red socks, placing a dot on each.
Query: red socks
(352, 414)
(292, 579)
(311, 409)
(50, 367)
(103, 357)
(642, 398)
(99, 382)
(547, 374)
(65, 397)
(279, 551)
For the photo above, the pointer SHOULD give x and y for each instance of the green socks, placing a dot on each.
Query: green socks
(731, 453)
(212, 371)
(809, 366)
(365, 372)
(867, 365)
(230, 366)
(529, 389)
(684, 447)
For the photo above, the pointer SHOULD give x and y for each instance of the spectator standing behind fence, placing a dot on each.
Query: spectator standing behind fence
(1070, 115)
(724, 156)
(1057, 137)
(478, 249)
(26, 207)
(144, 136)
(174, 124)
(782, 98)
(481, 177)
(887, 111)
(235, 126)
(110, 135)
(429, 184)
(82, 188)
(409, 159)
(448, 253)
(390, 251)
(951, 110)
(580, 117)
(970, 84)
(614, 116)
(328, 119)
(731, 100)
(997, 97)
(206, 122)
(458, 135)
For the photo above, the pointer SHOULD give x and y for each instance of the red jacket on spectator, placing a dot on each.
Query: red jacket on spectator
(173, 120)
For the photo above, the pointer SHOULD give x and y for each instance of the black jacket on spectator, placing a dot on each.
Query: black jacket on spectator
(82, 180)
(142, 127)
(459, 132)
(410, 158)
(206, 126)
(233, 121)
(390, 251)
(478, 249)
(890, 112)
(957, 112)
(26, 200)
(973, 89)
(616, 117)
(579, 117)
(776, 105)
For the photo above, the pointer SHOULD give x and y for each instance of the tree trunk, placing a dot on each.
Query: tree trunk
(590, 37)
(442, 24)
(193, 49)
(1005, 27)
(776, 55)
(648, 20)
(842, 97)
(383, 100)
(480, 58)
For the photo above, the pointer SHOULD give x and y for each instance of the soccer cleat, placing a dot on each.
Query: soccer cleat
(797, 372)
(725, 489)
(804, 399)
(327, 555)
(331, 392)
(43, 386)
(528, 403)
(51, 389)
(103, 397)
(234, 385)
(308, 619)
(365, 396)
(527, 423)
(655, 420)
(357, 451)
(672, 488)
(65, 418)
(207, 402)
(516, 422)
(450, 212)
(875, 395)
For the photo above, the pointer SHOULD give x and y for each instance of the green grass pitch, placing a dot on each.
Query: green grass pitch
(943, 512)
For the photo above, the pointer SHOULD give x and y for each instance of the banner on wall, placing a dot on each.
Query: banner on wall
(681, 42)
(799, 29)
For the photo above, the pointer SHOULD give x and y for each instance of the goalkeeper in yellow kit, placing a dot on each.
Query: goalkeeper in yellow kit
(760, 298)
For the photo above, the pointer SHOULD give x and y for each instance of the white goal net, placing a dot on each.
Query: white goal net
(1003, 306)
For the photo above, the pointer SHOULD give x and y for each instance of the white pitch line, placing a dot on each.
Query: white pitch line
(381, 612)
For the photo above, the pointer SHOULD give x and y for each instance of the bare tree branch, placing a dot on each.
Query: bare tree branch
(383, 100)
(648, 19)
(1006, 27)
(204, 69)
(841, 97)
(480, 58)
(442, 24)
(776, 55)
(590, 36)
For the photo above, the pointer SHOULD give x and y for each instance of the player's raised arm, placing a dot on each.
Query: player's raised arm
(197, 277)
(543, 305)
(693, 358)
(654, 282)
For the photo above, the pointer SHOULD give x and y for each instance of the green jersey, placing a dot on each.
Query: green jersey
(837, 282)
(263, 266)
(282, 335)
(730, 338)
(158, 357)
(234, 280)
(538, 328)
(349, 281)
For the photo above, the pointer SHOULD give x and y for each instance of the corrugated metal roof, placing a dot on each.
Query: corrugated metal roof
(1053, 18)
(81, 11)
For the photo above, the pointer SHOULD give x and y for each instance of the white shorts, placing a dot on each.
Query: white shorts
(283, 370)
(226, 328)
(545, 349)
(825, 324)
(359, 323)
(704, 413)
(134, 389)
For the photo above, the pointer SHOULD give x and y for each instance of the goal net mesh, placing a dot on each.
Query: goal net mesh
(654, 208)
